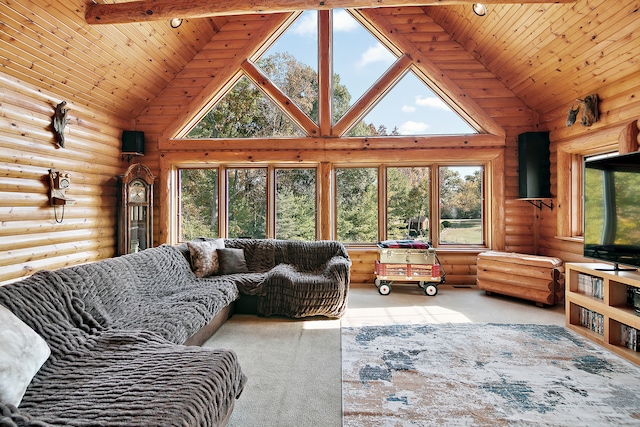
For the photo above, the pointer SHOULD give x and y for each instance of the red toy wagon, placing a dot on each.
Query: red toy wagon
(408, 261)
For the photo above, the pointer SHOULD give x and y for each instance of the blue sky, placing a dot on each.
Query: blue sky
(360, 59)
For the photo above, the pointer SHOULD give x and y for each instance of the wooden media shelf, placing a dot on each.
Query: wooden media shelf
(597, 306)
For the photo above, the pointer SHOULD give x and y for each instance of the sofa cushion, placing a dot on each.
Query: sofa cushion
(204, 256)
(22, 353)
(232, 261)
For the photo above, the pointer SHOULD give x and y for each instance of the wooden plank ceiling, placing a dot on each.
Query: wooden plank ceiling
(547, 54)
(550, 54)
(118, 69)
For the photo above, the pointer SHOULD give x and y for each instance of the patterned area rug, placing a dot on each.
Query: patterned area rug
(483, 375)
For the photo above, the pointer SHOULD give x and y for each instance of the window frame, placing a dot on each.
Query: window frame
(223, 195)
(493, 158)
(434, 210)
(570, 175)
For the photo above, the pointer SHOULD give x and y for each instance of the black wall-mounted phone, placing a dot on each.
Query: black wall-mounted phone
(60, 182)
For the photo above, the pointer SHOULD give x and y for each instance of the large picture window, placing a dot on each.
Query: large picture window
(441, 204)
(198, 203)
(461, 207)
(296, 204)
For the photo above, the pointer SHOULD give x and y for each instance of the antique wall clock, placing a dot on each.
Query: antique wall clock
(135, 222)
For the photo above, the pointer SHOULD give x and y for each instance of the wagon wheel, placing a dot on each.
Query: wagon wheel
(431, 290)
(384, 288)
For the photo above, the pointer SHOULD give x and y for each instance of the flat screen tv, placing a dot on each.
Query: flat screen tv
(612, 210)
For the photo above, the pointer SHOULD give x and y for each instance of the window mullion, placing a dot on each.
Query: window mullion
(382, 203)
(434, 220)
(223, 206)
(271, 202)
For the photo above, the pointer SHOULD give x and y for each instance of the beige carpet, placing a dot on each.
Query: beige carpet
(294, 366)
(293, 369)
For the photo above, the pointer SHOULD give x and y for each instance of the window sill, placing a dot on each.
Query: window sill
(570, 239)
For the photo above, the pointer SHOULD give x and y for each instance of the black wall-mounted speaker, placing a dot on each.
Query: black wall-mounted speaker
(534, 171)
(133, 142)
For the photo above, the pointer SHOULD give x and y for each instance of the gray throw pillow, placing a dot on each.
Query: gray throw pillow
(22, 354)
(232, 261)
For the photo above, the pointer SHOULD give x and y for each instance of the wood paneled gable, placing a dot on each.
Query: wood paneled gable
(118, 69)
(550, 54)
(179, 106)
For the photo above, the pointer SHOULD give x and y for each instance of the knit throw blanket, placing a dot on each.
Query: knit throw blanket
(295, 278)
(152, 290)
(113, 359)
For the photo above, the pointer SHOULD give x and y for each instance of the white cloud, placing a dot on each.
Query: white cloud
(344, 22)
(376, 53)
(432, 102)
(408, 109)
(306, 25)
(413, 128)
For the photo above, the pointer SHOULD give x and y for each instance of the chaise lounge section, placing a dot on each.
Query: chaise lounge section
(294, 278)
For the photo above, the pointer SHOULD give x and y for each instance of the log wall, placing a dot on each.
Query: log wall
(619, 111)
(147, 77)
(30, 237)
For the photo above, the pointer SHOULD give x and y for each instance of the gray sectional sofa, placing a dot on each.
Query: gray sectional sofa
(124, 333)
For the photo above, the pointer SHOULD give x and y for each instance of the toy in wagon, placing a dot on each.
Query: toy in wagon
(408, 261)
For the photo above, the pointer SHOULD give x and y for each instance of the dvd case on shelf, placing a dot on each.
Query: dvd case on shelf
(629, 337)
(592, 320)
(591, 286)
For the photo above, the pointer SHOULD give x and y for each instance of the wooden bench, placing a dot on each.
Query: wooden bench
(532, 277)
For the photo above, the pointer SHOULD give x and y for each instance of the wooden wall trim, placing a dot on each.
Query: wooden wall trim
(472, 141)
(367, 156)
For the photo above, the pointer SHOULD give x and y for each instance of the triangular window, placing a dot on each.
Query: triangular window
(245, 112)
(411, 108)
(291, 62)
(359, 59)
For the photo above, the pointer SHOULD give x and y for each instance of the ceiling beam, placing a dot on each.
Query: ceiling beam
(156, 10)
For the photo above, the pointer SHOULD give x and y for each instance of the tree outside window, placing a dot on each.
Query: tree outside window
(461, 206)
(296, 204)
(357, 205)
(247, 195)
(198, 203)
(408, 203)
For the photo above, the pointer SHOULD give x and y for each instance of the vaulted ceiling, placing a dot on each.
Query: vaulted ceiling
(546, 54)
